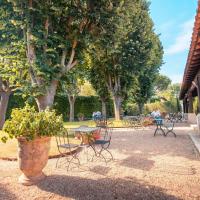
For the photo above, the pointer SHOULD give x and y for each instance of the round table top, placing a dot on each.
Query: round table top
(85, 129)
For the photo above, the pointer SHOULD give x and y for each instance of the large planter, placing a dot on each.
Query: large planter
(32, 157)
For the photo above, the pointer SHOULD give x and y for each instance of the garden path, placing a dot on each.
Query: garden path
(145, 167)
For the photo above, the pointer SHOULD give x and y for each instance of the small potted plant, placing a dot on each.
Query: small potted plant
(33, 130)
(80, 116)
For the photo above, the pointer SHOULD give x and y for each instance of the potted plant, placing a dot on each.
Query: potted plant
(33, 130)
(80, 116)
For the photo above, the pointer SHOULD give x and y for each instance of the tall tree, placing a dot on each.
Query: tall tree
(101, 88)
(13, 73)
(13, 68)
(71, 86)
(53, 33)
(124, 48)
(144, 82)
(161, 82)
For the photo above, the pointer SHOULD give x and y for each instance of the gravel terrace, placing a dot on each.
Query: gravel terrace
(145, 167)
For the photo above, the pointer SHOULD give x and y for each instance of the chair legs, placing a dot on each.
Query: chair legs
(164, 133)
(157, 129)
(170, 131)
(67, 161)
(99, 154)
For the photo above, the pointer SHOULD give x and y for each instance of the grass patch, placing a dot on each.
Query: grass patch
(91, 123)
(9, 149)
(79, 123)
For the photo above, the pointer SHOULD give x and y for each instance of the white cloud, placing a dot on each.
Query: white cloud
(182, 42)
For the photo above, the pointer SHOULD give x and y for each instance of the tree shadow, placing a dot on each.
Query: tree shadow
(106, 188)
(5, 194)
(100, 170)
(138, 161)
(145, 143)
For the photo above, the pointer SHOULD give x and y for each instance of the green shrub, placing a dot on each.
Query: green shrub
(85, 105)
(130, 109)
(29, 123)
(155, 106)
(166, 106)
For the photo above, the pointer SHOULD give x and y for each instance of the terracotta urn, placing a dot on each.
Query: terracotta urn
(32, 157)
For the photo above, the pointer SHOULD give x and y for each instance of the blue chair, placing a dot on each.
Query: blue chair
(159, 125)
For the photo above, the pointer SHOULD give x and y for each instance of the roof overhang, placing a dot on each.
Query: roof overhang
(193, 60)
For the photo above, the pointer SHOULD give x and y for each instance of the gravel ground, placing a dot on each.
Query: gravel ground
(145, 167)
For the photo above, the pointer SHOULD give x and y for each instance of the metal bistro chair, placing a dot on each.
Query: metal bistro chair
(102, 144)
(165, 126)
(102, 121)
(169, 127)
(159, 126)
(136, 122)
(67, 151)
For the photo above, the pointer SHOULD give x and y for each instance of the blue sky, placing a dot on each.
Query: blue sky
(174, 20)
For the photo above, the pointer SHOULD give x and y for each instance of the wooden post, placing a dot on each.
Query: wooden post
(190, 106)
(186, 105)
(198, 89)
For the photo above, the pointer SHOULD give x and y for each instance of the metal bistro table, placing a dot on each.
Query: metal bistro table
(87, 139)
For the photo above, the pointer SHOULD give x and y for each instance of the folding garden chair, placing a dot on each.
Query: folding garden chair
(159, 126)
(101, 122)
(101, 145)
(68, 151)
(169, 127)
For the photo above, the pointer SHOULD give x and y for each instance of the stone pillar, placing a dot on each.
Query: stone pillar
(190, 106)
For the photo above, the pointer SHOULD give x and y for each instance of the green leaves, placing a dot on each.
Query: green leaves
(29, 123)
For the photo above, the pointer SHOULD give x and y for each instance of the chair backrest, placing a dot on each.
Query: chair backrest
(169, 123)
(102, 122)
(158, 120)
(106, 133)
(62, 139)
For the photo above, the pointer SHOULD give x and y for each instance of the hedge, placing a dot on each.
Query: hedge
(84, 104)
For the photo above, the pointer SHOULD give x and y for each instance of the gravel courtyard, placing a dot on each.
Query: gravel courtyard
(145, 167)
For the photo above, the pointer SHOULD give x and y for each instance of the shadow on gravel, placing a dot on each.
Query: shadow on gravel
(106, 188)
(5, 194)
(145, 143)
(100, 170)
(138, 161)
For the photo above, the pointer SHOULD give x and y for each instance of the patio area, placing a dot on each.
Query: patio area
(144, 167)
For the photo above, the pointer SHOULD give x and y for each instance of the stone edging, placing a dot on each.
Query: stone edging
(196, 140)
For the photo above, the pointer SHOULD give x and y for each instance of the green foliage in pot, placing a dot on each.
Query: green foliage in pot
(29, 123)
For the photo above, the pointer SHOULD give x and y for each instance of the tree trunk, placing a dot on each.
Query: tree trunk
(141, 107)
(47, 99)
(71, 104)
(104, 112)
(117, 106)
(3, 107)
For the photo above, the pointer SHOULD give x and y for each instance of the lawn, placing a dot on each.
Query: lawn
(92, 123)
(9, 150)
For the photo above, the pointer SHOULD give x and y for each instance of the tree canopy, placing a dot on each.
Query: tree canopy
(126, 48)
(112, 41)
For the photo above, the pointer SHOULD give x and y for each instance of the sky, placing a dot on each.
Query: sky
(174, 21)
